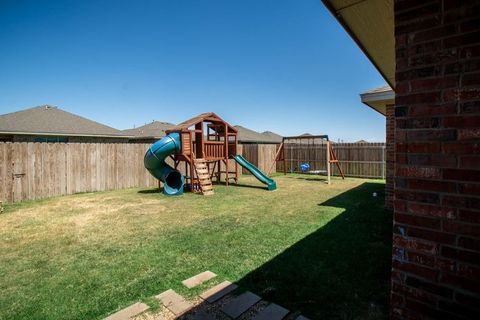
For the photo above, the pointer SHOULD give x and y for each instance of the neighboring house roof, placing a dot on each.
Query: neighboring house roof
(154, 130)
(379, 98)
(273, 136)
(248, 135)
(371, 25)
(48, 120)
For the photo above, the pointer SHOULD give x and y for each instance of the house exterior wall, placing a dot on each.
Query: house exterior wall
(436, 240)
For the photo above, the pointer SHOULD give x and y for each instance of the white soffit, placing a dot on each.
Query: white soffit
(371, 24)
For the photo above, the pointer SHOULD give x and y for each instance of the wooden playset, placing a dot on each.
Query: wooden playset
(207, 143)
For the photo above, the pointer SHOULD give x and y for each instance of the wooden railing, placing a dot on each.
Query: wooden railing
(214, 149)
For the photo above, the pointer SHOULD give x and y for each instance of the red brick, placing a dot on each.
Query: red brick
(461, 202)
(419, 73)
(416, 196)
(418, 98)
(463, 148)
(435, 33)
(414, 293)
(396, 300)
(429, 185)
(434, 288)
(463, 12)
(470, 188)
(461, 228)
(423, 147)
(435, 83)
(469, 215)
(431, 135)
(460, 282)
(470, 162)
(469, 107)
(432, 236)
(467, 299)
(417, 13)
(433, 160)
(419, 172)
(424, 222)
(457, 309)
(469, 243)
(461, 122)
(469, 134)
(426, 260)
(423, 48)
(431, 210)
(462, 40)
(460, 255)
(468, 271)
(420, 271)
(470, 52)
(414, 244)
(461, 175)
(471, 79)
(431, 109)
(418, 123)
(446, 265)
(428, 311)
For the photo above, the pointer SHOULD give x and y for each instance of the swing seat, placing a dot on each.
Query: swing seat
(316, 171)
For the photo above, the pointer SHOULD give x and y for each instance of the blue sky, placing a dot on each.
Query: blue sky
(280, 65)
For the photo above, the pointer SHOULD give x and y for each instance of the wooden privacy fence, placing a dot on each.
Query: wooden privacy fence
(365, 160)
(40, 170)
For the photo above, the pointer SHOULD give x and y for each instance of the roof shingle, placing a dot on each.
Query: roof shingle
(52, 120)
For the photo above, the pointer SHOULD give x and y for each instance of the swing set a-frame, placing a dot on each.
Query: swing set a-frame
(309, 146)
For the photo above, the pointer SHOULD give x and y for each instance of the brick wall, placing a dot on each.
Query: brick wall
(436, 253)
(390, 157)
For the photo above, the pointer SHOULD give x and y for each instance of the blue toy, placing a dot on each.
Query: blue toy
(304, 167)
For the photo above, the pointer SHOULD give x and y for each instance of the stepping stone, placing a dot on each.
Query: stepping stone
(174, 302)
(302, 318)
(240, 304)
(198, 279)
(272, 312)
(219, 291)
(129, 312)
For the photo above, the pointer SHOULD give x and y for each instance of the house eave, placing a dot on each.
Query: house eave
(26, 133)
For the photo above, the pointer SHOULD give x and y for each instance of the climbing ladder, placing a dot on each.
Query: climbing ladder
(203, 175)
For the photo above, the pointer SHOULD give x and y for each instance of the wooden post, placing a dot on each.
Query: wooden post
(284, 159)
(328, 163)
(226, 154)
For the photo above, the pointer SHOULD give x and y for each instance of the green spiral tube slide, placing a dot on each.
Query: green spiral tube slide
(154, 162)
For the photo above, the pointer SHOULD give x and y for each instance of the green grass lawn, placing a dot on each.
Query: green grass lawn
(321, 250)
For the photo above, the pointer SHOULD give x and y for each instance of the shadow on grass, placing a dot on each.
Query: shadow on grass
(240, 185)
(340, 271)
(148, 191)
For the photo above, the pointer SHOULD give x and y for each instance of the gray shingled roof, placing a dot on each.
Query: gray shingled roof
(248, 135)
(52, 120)
(273, 136)
(155, 129)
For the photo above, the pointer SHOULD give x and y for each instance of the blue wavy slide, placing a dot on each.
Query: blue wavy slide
(154, 162)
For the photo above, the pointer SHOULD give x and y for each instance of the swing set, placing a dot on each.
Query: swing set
(301, 153)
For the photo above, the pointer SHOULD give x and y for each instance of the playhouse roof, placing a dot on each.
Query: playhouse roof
(205, 117)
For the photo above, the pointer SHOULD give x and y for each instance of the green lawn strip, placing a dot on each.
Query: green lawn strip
(137, 245)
